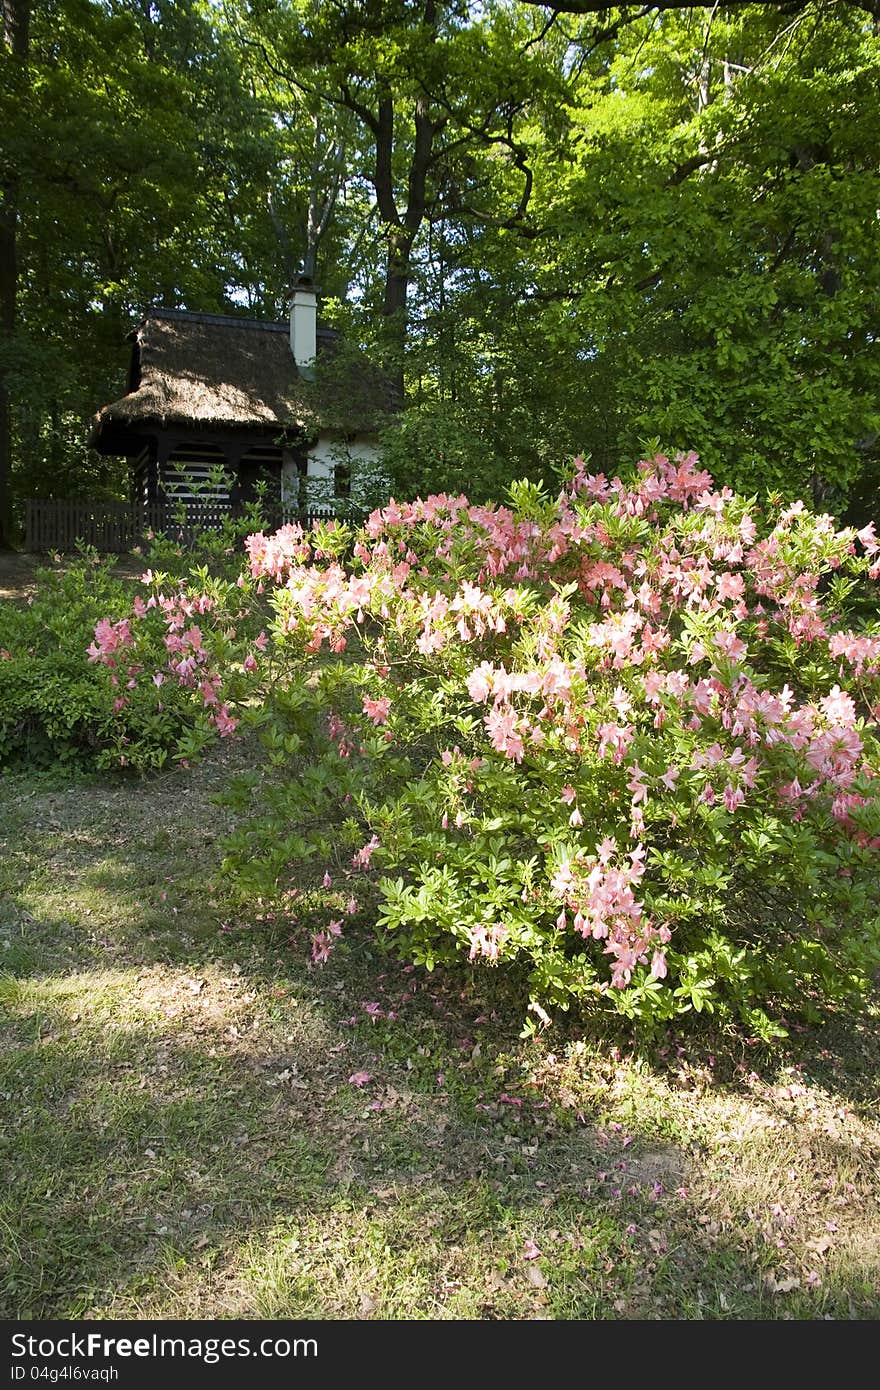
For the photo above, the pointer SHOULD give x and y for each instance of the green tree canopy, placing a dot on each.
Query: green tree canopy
(567, 228)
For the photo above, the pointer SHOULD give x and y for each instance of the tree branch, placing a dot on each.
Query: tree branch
(585, 7)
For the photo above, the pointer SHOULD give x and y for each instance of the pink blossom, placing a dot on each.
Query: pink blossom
(487, 941)
(361, 859)
(731, 645)
(109, 638)
(479, 683)
(615, 737)
(322, 945)
(658, 965)
(501, 725)
(224, 722)
(377, 710)
(730, 586)
(839, 708)
(637, 786)
(359, 1079)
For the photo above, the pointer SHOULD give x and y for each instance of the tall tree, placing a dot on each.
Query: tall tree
(141, 161)
(14, 50)
(431, 86)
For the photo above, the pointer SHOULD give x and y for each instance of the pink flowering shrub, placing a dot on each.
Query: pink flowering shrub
(627, 736)
(124, 674)
(178, 664)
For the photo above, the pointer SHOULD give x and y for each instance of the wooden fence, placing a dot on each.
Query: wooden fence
(60, 524)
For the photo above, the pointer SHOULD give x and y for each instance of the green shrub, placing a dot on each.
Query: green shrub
(626, 739)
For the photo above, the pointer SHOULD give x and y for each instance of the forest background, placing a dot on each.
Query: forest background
(562, 232)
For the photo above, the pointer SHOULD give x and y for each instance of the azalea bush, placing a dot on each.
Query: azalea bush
(121, 673)
(90, 665)
(626, 737)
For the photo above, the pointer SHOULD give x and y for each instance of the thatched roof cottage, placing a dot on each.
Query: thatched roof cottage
(285, 403)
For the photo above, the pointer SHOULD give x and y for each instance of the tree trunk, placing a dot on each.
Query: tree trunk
(394, 305)
(15, 36)
(401, 228)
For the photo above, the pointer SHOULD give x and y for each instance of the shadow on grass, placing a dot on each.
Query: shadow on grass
(247, 1175)
(184, 1137)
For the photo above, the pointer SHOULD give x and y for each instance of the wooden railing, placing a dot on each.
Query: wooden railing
(60, 524)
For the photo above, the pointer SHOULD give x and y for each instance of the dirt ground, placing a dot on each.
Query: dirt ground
(17, 573)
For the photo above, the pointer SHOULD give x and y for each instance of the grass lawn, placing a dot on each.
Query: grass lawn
(181, 1137)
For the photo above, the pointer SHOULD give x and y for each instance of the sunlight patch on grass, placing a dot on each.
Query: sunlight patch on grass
(185, 1137)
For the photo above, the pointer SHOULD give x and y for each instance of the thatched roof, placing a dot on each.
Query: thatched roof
(210, 370)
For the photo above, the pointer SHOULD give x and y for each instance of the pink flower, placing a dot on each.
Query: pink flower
(224, 722)
(322, 945)
(377, 710)
(615, 737)
(486, 941)
(530, 1250)
(730, 586)
(359, 1078)
(637, 786)
(670, 777)
(658, 965)
(501, 726)
(731, 645)
(109, 637)
(479, 683)
(361, 859)
(839, 708)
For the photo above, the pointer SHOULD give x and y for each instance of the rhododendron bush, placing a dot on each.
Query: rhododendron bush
(627, 736)
(129, 672)
(125, 674)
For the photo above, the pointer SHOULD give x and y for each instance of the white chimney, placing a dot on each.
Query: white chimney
(303, 327)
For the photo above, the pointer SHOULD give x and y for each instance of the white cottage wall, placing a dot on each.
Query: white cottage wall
(328, 453)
